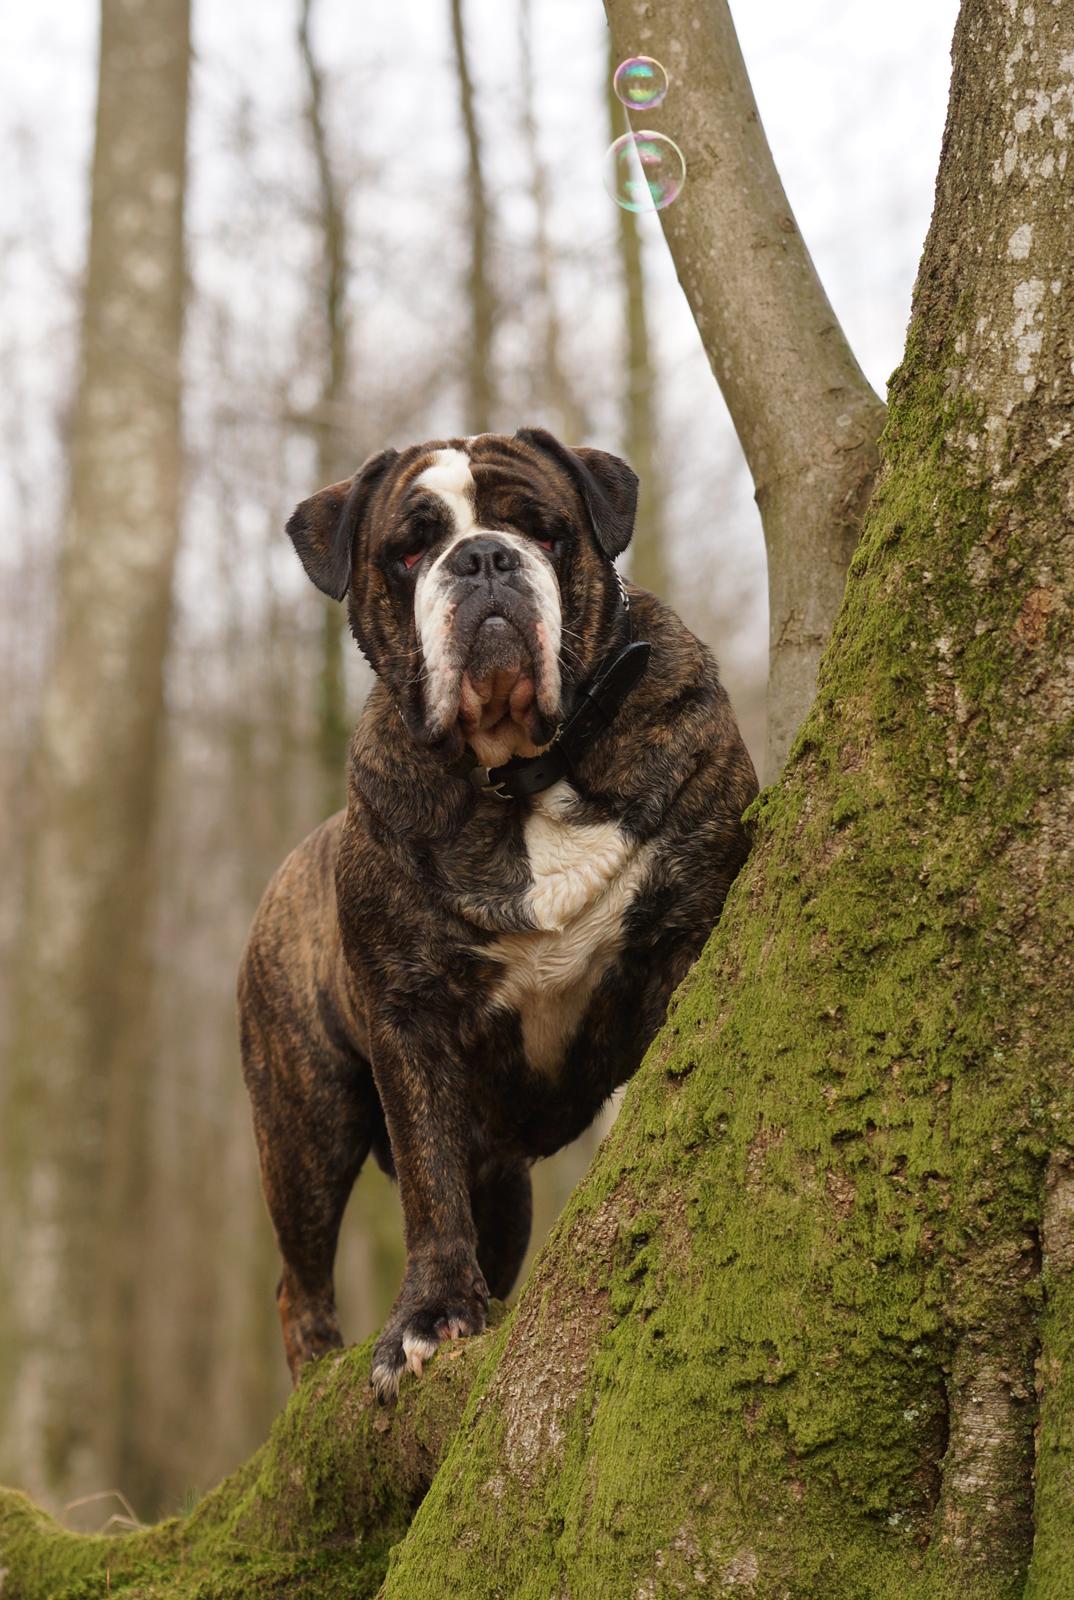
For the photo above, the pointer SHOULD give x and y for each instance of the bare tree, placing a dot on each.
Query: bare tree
(480, 398)
(76, 1082)
(372, 1250)
(335, 446)
(805, 415)
(558, 394)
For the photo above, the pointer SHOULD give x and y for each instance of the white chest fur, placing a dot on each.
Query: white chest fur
(584, 877)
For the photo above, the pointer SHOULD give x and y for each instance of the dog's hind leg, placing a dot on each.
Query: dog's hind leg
(502, 1200)
(316, 1113)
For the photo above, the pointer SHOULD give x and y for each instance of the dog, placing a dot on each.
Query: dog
(544, 815)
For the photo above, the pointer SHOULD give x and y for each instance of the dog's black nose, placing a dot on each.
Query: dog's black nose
(481, 557)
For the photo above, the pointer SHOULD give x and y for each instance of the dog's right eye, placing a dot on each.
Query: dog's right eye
(415, 541)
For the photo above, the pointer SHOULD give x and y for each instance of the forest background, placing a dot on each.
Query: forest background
(282, 384)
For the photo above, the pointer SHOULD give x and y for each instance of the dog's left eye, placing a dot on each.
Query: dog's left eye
(549, 537)
(411, 558)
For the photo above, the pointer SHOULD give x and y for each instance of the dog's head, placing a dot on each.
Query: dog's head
(478, 579)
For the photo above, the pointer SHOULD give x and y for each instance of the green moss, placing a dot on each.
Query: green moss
(837, 1139)
(314, 1513)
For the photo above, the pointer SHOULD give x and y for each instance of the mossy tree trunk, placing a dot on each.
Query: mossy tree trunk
(807, 1329)
(814, 1304)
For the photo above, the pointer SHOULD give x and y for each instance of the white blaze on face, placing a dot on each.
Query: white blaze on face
(449, 477)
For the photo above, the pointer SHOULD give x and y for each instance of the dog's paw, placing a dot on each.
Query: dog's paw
(418, 1327)
(389, 1363)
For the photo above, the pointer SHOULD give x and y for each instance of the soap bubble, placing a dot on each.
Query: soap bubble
(640, 83)
(644, 171)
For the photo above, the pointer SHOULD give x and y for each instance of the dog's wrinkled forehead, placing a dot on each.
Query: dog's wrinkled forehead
(488, 481)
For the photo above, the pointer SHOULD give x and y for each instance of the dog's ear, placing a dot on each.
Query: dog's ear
(322, 528)
(608, 486)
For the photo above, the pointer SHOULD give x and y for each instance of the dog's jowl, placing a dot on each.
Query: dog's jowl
(543, 819)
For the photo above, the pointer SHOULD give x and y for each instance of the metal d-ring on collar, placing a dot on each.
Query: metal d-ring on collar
(598, 702)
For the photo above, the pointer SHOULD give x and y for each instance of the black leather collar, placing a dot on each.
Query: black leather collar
(598, 700)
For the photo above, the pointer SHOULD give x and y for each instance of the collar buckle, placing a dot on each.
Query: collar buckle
(482, 780)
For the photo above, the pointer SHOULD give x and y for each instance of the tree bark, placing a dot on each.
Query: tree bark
(77, 1080)
(807, 419)
(807, 1329)
(641, 442)
(480, 396)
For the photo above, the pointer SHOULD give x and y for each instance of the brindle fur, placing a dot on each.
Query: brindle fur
(367, 984)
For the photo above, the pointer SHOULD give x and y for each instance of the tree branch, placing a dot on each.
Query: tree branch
(649, 556)
(805, 415)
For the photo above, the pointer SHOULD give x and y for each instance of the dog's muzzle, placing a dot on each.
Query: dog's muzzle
(489, 624)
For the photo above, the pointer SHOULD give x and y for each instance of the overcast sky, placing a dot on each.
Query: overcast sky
(853, 99)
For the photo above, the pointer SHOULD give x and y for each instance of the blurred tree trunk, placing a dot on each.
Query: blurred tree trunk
(807, 419)
(641, 436)
(371, 1257)
(562, 411)
(480, 385)
(558, 406)
(80, 1069)
(336, 453)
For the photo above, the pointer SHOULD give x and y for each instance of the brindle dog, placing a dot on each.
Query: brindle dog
(456, 976)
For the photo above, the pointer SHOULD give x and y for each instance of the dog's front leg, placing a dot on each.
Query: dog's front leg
(422, 1087)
